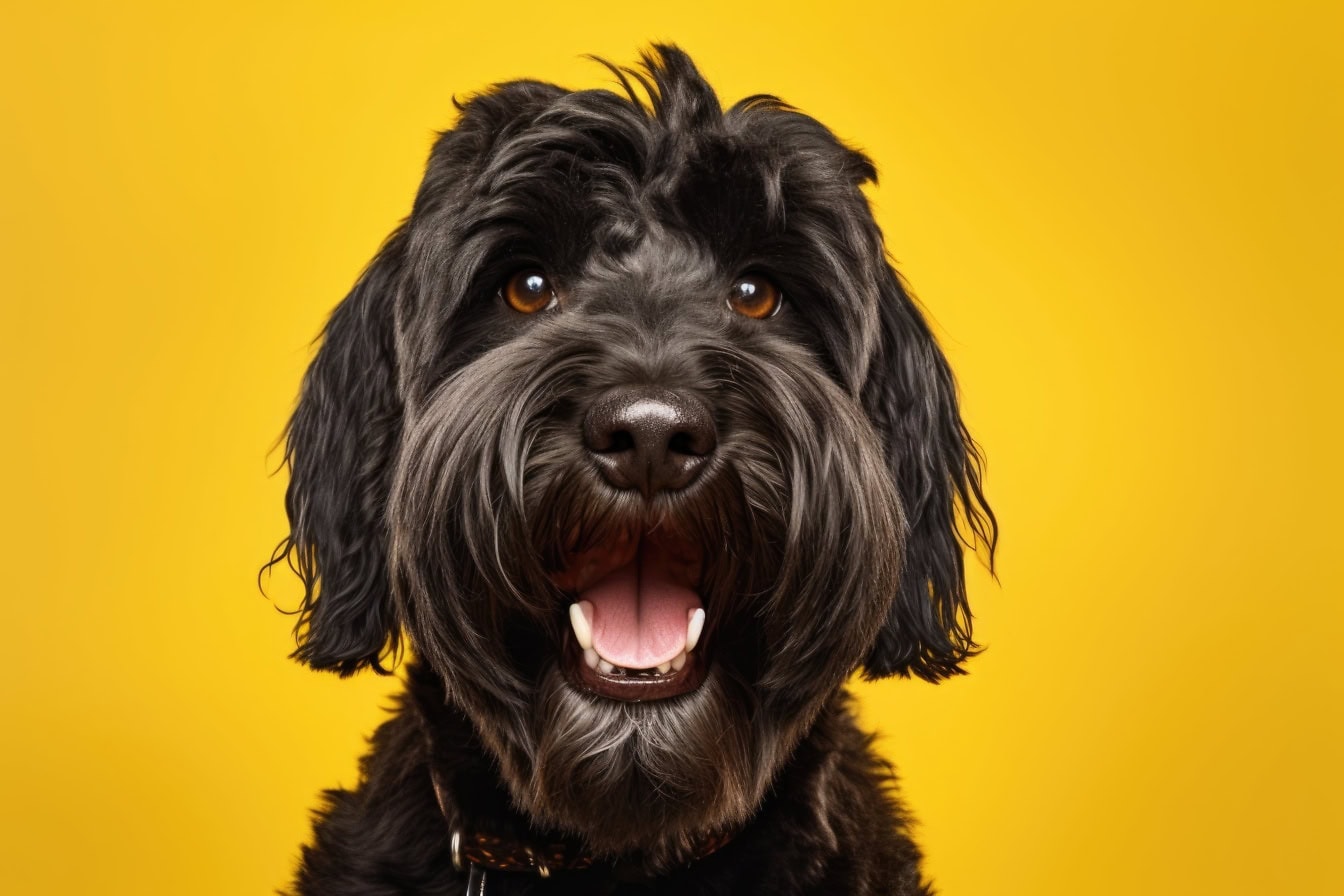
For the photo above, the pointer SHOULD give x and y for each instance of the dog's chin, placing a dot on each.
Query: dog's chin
(652, 779)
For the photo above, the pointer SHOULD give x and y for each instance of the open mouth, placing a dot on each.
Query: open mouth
(636, 620)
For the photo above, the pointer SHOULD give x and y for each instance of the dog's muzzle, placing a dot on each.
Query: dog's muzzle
(637, 618)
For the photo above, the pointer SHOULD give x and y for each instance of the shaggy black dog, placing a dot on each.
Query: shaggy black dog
(634, 434)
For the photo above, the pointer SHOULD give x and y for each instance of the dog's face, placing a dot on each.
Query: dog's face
(634, 432)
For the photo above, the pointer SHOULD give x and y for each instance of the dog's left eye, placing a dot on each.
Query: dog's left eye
(755, 296)
(529, 291)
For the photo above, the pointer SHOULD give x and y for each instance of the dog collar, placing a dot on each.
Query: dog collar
(478, 853)
(492, 853)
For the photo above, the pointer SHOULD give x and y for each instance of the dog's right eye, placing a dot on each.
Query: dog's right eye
(529, 291)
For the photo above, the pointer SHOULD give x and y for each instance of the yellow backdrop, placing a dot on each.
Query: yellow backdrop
(1126, 221)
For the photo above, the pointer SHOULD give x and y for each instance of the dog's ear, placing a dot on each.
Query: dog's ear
(340, 447)
(910, 396)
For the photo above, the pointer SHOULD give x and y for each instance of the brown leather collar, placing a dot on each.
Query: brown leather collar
(495, 853)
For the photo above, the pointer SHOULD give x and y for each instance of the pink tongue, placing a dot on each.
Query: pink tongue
(639, 613)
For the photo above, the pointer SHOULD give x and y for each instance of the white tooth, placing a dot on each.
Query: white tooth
(606, 666)
(664, 668)
(678, 661)
(579, 617)
(590, 657)
(693, 629)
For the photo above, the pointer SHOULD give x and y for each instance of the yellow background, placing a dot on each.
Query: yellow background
(1125, 220)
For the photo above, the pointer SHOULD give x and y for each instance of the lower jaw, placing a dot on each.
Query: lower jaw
(632, 686)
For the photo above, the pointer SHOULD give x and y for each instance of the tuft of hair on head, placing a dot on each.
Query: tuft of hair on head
(668, 86)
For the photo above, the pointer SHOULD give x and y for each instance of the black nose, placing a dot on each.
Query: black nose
(649, 439)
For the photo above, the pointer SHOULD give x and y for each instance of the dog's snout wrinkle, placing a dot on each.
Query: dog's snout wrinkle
(649, 439)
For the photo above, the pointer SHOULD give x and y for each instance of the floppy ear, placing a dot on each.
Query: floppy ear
(340, 447)
(911, 398)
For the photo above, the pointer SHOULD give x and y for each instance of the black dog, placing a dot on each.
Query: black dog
(636, 435)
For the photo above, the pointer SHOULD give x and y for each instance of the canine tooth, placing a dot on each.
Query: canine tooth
(605, 666)
(694, 627)
(590, 657)
(678, 661)
(664, 668)
(583, 629)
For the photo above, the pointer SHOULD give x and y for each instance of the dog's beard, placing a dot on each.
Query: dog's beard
(649, 777)
(799, 536)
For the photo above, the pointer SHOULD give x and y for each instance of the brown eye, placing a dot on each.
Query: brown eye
(754, 296)
(529, 291)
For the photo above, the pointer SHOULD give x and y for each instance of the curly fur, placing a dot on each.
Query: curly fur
(438, 479)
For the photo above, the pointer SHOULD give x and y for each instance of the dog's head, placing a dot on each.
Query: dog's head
(636, 434)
